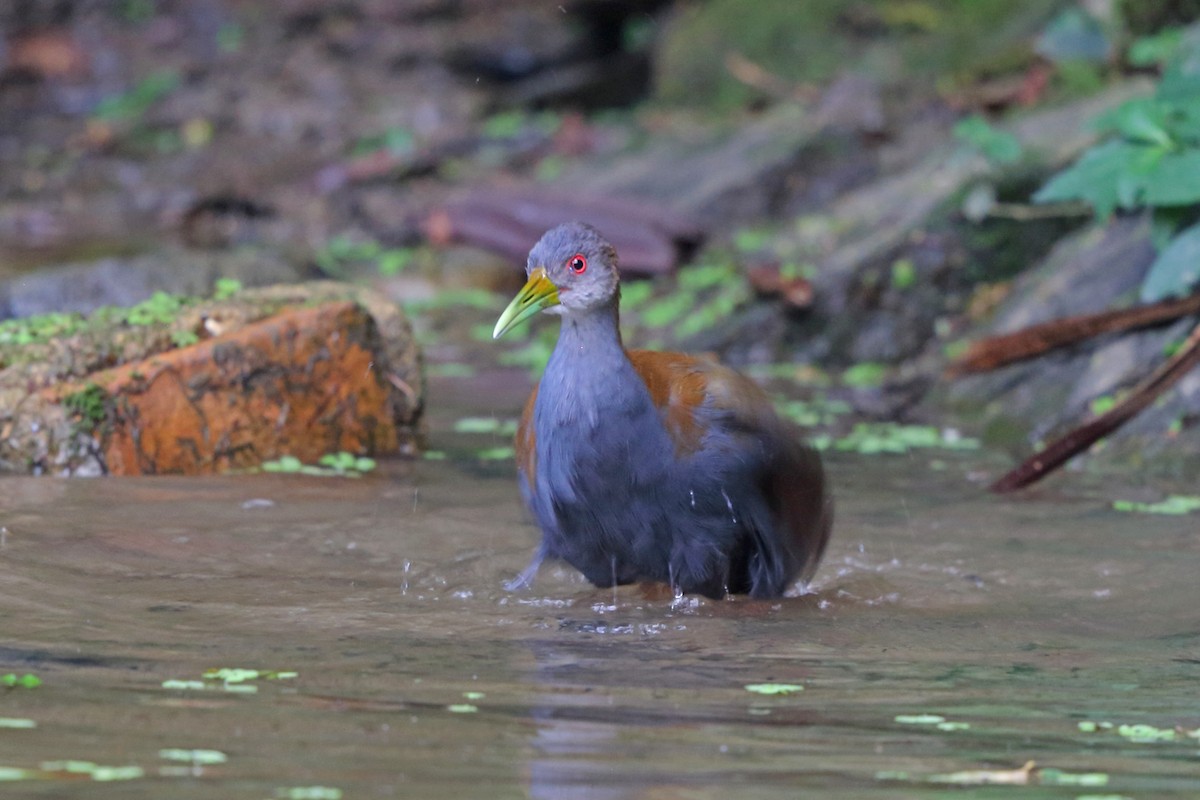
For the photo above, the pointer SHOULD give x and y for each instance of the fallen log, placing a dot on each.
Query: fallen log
(509, 220)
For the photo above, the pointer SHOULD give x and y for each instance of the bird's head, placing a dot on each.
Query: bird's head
(572, 269)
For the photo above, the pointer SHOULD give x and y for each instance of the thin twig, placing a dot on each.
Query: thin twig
(1076, 441)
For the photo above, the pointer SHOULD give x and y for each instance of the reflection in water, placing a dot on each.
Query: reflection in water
(419, 676)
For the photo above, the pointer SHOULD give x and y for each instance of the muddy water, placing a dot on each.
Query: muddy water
(418, 675)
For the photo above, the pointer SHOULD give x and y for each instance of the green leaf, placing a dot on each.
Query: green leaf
(1180, 82)
(1155, 49)
(1073, 35)
(997, 146)
(704, 276)
(26, 681)
(309, 793)
(1171, 179)
(1175, 505)
(749, 240)
(392, 262)
(477, 425)
(864, 375)
(137, 101)
(1102, 177)
(669, 309)
(224, 288)
(634, 294)
(904, 274)
(1056, 777)
(1103, 404)
(774, 688)
(1144, 120)
(1177, 268)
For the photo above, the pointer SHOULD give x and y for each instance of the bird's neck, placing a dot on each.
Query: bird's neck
(588, 369)
(595, 333)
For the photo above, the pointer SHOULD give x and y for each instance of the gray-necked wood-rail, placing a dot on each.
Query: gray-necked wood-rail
(648, 466)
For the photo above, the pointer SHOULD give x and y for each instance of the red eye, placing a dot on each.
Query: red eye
(578, 264)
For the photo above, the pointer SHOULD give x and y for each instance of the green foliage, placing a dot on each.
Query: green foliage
(534, 355)
(230, 37)
(238, 680)
(341, 465)
(865, 375)
(343, 251)
(162, 308)
(1175, 505)
(1156, 49)
(308, 793)
(130, 106)
(135, 12)
(184, 338)
(669, 309)
(1103, 404)
(226, 288)
(773, 688)
(1139, 733)
(89, 404)
(718, 307)
(493, 425)
(42, 328)
(511, 124)
(635, 294)
(997, 146)
(1177, 267)
(395, 140)
(451, 298)
(869, 438)
(904, 274)
(26, 681)
(705, 276)
(1150, 159)
(820, 410)
(749, 240)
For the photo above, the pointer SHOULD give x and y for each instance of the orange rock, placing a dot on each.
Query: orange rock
(305, 382)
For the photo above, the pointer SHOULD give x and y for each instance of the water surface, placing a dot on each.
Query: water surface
(418, 675)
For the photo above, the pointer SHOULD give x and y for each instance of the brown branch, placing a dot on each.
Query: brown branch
(996, 351)
(753, 75)
(1076, 441)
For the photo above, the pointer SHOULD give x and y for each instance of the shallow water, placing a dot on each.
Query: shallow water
(418, 675)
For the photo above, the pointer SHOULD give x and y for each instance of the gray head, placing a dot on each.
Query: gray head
(571, 269)
(580, 263)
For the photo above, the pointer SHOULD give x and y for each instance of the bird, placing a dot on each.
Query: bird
(654, 467)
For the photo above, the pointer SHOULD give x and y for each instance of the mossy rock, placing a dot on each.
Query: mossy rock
(81, 395)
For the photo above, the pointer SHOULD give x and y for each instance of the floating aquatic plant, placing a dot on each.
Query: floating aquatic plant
(773, 688)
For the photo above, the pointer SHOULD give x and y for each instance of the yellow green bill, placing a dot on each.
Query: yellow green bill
(537, 293)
